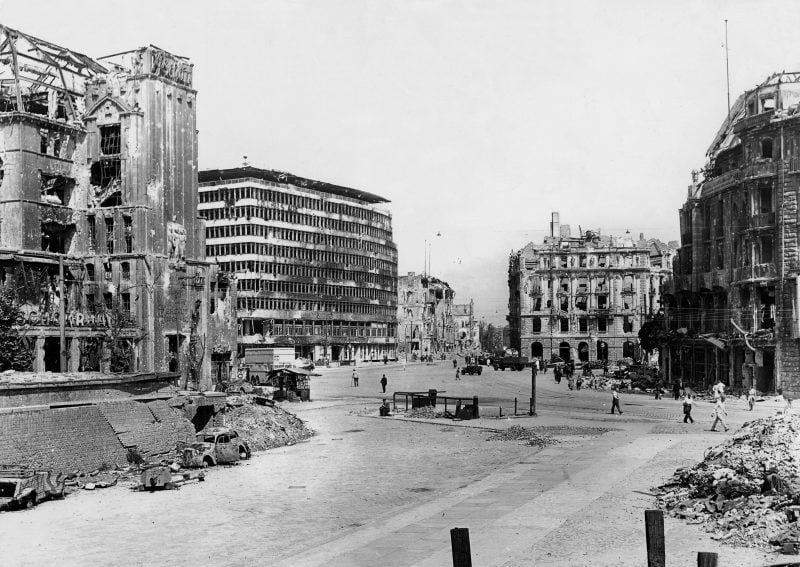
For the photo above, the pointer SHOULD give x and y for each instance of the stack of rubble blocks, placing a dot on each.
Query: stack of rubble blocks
(747, 490)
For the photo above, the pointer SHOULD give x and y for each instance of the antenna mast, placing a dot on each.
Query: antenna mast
(727, 71)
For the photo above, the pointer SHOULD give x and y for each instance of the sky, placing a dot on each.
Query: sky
(476, 119)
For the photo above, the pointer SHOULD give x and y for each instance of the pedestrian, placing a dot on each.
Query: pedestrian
(557, 374)
(384, 409)
(615, 401)
(355, 378)
(458, 374)
(384, 381)
(605, 368)
(455, 363)
(718, 389)
(579, 382)
(687, 409)
(676, 390)
(751, 397)
(719, 413)
(658, 389)
(784, 401)
(404, 365)
(542, 365)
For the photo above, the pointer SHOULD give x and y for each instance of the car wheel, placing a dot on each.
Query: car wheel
(207, 463)
(30, 502)
(479, 371)
(243, 453)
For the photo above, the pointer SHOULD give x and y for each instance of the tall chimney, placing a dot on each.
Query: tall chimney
(555, 225)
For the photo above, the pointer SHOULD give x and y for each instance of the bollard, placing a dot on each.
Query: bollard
(654, 534)
(706, 559)
(475, 411)
(515, 407)
(459, 540)
(501, 410)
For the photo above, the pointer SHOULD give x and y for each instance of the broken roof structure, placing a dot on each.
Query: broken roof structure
(39, 77)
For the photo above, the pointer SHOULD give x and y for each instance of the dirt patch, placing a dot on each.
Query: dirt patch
(519, 433)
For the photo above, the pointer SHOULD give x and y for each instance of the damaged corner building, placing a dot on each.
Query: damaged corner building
(737, 277)
(100, 242)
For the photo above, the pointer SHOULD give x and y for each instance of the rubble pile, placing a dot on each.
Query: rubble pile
(426, 412)
(746, 490)
(264, 426)
(519, 433)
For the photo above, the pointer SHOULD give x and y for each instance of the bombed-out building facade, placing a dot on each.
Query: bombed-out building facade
(426, 324)
(735, 307)
(584, 297)
(315, 263)
(100, 242)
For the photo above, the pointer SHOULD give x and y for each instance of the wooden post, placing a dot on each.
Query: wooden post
(459, 539)
(515, 407)
(62, 355)
(706, 559)
(501, 410)
(654, 533)
(476, 413)
(533, 390)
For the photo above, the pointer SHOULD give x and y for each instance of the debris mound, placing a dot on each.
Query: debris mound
(426, 412)
(264, 426)
(519, 433)
(745, 491)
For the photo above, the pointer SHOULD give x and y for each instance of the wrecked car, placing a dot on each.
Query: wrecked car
(21, 487)
(213, 446)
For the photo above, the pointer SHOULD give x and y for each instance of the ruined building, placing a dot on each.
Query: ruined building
(735, 305)
(100, 242)
(315, 264)
(584, 297)
(467, 333)
(426, 326)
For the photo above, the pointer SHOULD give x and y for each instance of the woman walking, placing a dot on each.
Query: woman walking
(751, 397)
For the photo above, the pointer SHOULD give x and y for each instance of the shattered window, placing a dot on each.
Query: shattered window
(110, 140)
(128, 233)
(766, 148)
(109, 235)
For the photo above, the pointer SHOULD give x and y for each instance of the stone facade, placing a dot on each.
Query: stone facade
(315, 263)
(584, 297)
(426, 326)
(467, 333)
(735, 301)
(100, 241)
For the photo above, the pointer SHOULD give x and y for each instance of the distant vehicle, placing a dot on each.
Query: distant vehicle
(472, 369)
(512, 362)
(303, 363)
(555, 362)
(213, 446)
(21, 487)
(482, 358)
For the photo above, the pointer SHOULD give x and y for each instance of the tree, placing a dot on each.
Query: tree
(653, 334)
(14, 351)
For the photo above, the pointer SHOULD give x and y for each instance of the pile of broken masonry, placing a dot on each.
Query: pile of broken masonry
(745, 491)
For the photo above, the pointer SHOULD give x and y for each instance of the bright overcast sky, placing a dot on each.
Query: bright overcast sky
(476, 119)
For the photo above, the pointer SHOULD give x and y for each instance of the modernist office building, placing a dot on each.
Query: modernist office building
(100, 242)
(315, 264)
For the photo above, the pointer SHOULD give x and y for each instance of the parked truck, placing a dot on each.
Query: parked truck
(512, 362)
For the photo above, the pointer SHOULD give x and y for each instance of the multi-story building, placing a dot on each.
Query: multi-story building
(425, 315)
(583, 297)
(100, 242)
(467, 334)
(315, 263)
(737, 278)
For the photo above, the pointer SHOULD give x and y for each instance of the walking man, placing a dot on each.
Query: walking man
(615, 400)
(687, 409)
(719, 413)
(751, 397)
(384, 381)
(355, 378)
(676, 390)
(458, 374)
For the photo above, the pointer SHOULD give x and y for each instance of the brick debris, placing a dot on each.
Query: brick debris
(745, 491)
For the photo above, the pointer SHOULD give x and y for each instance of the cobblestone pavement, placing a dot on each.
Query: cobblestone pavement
(373, 491)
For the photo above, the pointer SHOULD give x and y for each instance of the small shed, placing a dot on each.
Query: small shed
(291, 383)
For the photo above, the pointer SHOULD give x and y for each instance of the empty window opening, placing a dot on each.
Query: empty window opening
(108, 300)
(109, 235)
(602, 325)
(56, 189)
(110, 140)
(536, 325)
(583, 324)
(627, 325)
(126, 271)
(92, 233)
(56, 237)
(766, 148)
(765, 199)
(90, 272)
(764, 250)
(602, 302)
(564, 324)
(128, 228)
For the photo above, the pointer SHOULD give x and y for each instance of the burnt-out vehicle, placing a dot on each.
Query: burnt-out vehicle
(217, 445)
(472, 369)
(21, 487)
